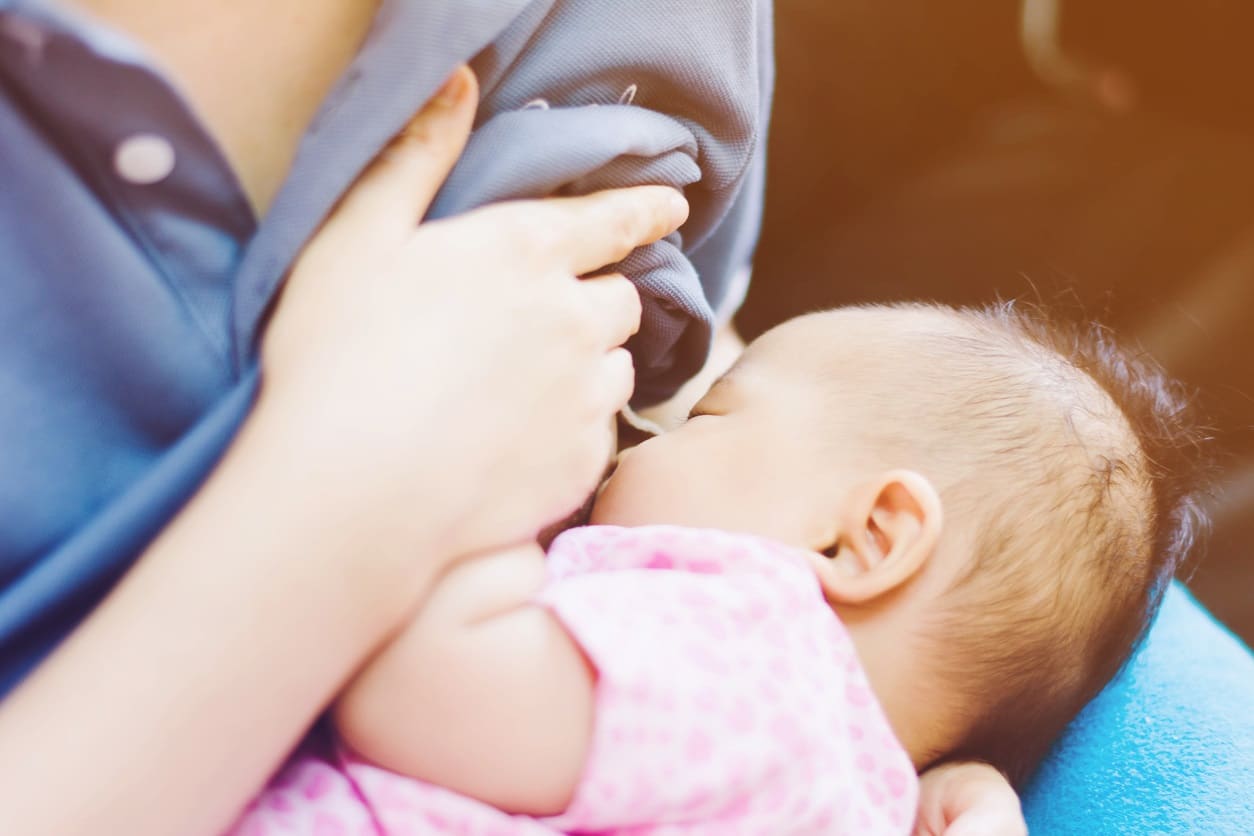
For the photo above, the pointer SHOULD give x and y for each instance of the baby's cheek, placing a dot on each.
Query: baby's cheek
(639, 492)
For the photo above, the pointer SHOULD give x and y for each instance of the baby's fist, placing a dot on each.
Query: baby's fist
(968, 799)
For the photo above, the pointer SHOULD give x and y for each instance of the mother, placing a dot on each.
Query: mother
(266, 538)
(175, 698)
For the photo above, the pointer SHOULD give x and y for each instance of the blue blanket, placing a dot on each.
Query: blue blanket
(1168, 747)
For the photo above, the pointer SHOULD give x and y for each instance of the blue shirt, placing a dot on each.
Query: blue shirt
(134, 276)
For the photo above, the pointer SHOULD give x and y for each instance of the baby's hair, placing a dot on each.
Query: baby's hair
(1085, 475)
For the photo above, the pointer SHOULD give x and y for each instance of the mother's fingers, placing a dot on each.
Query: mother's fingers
(580, 235)
(604, 228)
(613, 308)
(616, 381)
(396, 191)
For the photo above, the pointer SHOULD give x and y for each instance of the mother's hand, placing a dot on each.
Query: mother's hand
(427, 391)
(459, 369)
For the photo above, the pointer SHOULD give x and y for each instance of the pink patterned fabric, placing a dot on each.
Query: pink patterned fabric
(729, 701)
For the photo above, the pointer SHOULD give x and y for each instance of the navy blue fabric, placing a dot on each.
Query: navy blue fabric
(129, 312)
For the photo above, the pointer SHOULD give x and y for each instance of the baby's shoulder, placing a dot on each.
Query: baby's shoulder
(698, 551)
(666, 573)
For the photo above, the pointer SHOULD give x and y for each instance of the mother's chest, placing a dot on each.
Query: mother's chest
(107, 356)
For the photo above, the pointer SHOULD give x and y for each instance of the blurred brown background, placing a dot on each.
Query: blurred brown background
(1100, 153)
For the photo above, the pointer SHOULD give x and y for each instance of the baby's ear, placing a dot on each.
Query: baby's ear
(889, 529)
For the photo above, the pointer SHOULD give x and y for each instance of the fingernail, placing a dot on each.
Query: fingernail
(678, 207)
(454, 88)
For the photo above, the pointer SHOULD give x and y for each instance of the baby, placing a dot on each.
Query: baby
(889, 536)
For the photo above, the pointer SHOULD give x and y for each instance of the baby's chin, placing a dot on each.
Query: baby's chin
(607, 507)
(623, 501)
(601, 513)
(615, 512)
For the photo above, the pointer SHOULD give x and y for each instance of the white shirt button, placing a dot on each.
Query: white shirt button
(144, 159)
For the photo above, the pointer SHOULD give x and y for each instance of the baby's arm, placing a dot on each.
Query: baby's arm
(484, 693)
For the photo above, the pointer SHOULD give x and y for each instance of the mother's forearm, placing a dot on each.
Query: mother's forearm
(170, 706)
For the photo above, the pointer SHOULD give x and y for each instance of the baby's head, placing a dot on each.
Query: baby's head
(996, 505)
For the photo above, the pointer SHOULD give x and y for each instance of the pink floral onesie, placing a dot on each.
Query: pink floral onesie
(729, 701)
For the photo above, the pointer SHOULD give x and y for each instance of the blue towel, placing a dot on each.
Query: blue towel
(1167, 748)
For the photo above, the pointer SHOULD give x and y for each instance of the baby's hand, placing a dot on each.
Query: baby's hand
(968, 799)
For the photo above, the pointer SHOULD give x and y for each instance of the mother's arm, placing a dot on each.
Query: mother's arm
(172, 703)
(348, 488)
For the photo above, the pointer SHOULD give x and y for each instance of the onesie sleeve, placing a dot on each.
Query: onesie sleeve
(729, 698)
(584, 95)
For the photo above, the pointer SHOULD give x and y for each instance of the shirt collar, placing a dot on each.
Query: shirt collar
(413, 47)
(103, 40)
